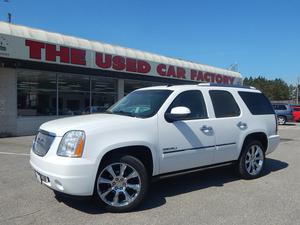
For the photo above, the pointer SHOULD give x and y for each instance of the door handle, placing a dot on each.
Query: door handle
(206, 129)
(242, 126)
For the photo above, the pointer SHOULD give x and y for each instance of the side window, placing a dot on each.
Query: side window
(279, 107)
(224, 104)
(257, 103)
(192, 100)
(282, 107)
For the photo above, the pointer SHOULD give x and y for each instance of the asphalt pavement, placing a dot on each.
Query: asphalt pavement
(217, 196)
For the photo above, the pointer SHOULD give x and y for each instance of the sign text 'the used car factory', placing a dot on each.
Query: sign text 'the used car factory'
(74, 56)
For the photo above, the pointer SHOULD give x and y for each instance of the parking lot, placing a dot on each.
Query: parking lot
(216, 196)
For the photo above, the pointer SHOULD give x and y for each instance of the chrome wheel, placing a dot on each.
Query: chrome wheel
(118, 184)
(254, 160)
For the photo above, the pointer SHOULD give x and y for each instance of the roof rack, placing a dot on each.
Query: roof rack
(226, 85)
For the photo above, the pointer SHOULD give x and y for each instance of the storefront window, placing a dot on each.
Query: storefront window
(73, 94)
(104, 94)
(131, 85)
(36, 92)
(77, 94)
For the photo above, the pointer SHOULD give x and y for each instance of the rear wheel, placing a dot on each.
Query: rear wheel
(281, 120)
(121, 184)
(252, 160)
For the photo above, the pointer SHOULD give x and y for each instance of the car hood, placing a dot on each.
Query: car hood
(86, 123)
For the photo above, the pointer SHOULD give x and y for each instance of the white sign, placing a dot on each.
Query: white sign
(26, 49)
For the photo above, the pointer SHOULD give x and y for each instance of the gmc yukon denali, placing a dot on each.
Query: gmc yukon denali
(153, 132)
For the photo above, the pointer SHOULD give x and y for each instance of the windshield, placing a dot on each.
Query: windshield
(142, 104)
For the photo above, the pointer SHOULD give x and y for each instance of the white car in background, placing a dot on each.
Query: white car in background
(155, 131)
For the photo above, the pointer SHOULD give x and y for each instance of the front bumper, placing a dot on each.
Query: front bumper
(273, 142)
(74, 176)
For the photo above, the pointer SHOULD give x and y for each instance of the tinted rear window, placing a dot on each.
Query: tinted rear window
(224, 104)
(257, 103)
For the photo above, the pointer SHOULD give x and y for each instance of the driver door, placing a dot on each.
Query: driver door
(188, 142)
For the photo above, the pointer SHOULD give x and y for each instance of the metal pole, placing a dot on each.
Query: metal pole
(57, 99)
(9, 17)
(91, 95)
(297, 95)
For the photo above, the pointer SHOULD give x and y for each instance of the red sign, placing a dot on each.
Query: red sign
(65, 54)
(120, 63)
(68, 55)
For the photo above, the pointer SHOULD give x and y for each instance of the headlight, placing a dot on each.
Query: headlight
(72, 144)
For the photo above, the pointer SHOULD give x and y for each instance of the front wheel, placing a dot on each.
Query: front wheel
(121, 184)
(252, 160)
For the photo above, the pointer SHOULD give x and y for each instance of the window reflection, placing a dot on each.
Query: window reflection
(77, 94)
(104, 94)
(73, 94)
(36, 93)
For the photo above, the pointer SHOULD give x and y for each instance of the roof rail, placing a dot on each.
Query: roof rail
(226, 85)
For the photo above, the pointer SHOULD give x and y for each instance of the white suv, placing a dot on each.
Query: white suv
(154, 132)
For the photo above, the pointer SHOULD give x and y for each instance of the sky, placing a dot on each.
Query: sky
(261, 36)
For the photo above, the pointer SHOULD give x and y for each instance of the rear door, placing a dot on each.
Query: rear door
(190, 142)
(228, 125)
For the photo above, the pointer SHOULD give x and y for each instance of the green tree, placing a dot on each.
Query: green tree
(276, 89)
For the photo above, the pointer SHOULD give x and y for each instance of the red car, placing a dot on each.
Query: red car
(296, 113)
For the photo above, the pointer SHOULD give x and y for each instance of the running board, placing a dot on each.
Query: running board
(193, 170)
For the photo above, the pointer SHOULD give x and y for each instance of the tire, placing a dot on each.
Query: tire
(252, 160)
(281, 120)
(130, 186)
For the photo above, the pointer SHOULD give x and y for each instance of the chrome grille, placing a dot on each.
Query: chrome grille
(42, 143)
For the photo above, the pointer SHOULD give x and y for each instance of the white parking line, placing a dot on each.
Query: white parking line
(13, 153)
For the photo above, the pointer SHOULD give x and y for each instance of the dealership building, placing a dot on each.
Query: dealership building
(45, 75)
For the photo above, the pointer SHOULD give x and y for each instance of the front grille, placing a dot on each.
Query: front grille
(42, 143)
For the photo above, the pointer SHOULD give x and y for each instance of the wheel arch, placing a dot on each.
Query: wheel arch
(141, 152)
(259, 136)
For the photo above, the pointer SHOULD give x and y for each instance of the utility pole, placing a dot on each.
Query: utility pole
(297, 90)
(9, 15)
